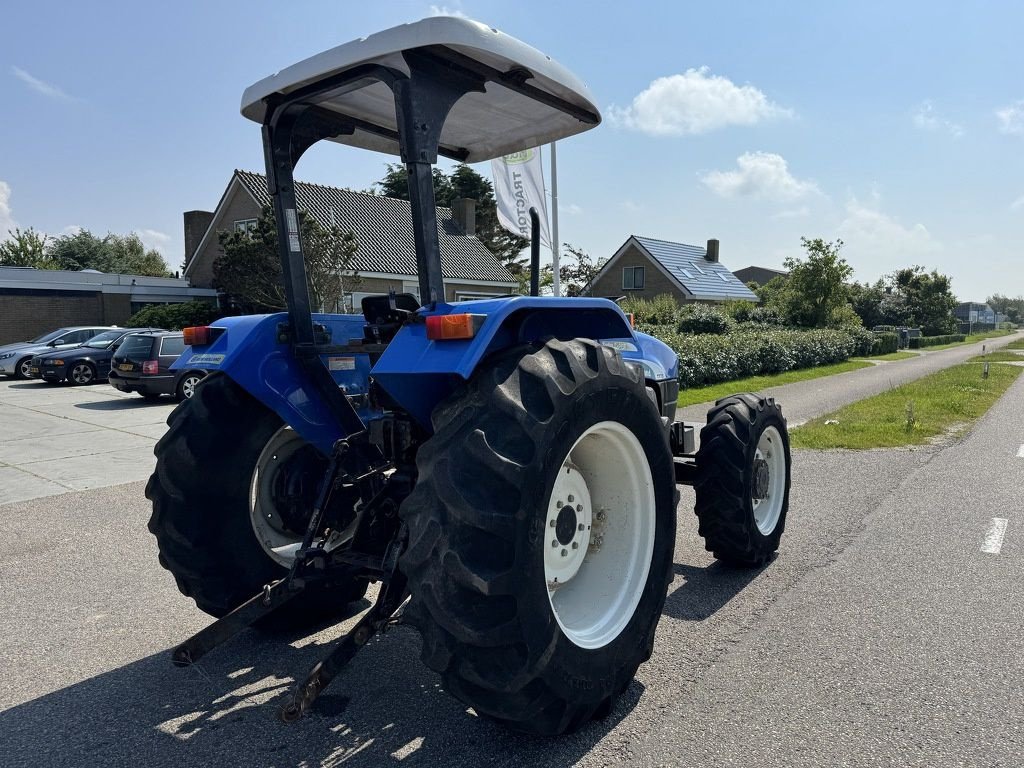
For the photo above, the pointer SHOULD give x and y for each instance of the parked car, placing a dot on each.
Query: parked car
(143, 364)
(85, 364)
(15, 359)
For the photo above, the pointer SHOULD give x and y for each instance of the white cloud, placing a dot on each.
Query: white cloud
(151, 238)
(759, 174)
(869, 231)
(444, 10)
(41, 86)
(1011, 118)
(695, 102)
(793, 213)
(6, 219)
(1018, 203)
(927, 119)
(572, 209)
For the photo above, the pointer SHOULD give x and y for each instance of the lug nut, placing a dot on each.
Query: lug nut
(565, 552)
(558, 504)
(571, 498)
(551, 524)
(575, 545)
(554, 542)
(579, 527)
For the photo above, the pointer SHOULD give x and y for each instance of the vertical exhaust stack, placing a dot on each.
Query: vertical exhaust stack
(712, 251)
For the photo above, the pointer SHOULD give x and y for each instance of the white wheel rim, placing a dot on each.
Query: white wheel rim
(266, 522)
(188, 387)
(772, 452)
(602, 501)
(26, 368)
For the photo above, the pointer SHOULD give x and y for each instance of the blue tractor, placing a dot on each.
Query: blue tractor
(505, 470)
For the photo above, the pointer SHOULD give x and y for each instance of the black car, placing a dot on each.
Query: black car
(143, 364)
(85, 364)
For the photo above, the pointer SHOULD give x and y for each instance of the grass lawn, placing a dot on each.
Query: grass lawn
(911, 414)
(757, 383)
(1018, 344)
(890, 356)
(973, 338)
(999, 356)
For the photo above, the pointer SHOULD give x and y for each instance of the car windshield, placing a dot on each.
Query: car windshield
(47, 337)
(102, 340)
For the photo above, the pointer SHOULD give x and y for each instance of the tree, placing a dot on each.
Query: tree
(928, 299)
(465, 182)
(124, 254)
(816, 288)
(25, 248)
(575, 277)
(867, 301)
(249, 267)
(1012, 308)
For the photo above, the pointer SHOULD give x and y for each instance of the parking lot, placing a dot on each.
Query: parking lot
(58, 438)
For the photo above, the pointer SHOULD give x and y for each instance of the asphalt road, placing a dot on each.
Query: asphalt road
(806, 400)
(882, 635)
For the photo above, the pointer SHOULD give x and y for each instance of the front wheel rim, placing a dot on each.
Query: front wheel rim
(188, 386)
(26, 368)
(599, 535)
(769, 480)
(81, 374)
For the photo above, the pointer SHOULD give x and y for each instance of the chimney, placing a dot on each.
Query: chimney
(712, 252)
(464, 214)
(196, 224)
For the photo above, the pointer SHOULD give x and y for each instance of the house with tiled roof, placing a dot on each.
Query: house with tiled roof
(385, 258)
(645, 267)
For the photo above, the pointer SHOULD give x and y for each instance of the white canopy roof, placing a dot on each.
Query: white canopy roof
(485, 125)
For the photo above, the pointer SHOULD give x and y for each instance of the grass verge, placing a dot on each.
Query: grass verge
(890, 356)
(1018, 344)
(999, 356)
(912, 414)
(972, 339)
(757, 383)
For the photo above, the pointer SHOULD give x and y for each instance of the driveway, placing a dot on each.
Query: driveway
(58, 438)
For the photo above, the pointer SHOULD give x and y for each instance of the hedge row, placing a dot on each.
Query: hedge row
(711, 358)
(917, 342)
(884, 343)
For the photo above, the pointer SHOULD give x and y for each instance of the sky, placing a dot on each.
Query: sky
(897, 127)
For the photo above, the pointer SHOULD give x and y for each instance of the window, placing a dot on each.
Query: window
(686, 273)
(697, 267)
(633, 278)
(172, 345)
(722, 277)
(245, 225)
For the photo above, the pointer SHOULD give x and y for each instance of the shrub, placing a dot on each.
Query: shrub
(661, 310)
(884, 343)
(701, 318)
(174, 317)
(862, 338)
(916, 342)
(712, 358)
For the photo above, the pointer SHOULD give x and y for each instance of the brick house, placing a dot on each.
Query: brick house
(645, 267)
(385, 257)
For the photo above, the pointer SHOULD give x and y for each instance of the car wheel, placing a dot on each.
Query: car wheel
(22, 369)
(82, 373)
(187, 385)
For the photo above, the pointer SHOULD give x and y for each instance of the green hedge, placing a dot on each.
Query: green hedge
(711, 358)
(884, 343)
(174, 317)
(935, 341)
(700, 318)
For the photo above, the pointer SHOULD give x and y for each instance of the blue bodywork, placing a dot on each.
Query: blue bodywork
(415, 372)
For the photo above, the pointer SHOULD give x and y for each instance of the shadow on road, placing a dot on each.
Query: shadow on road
(705, 591)
(39, 385)
(123, 404)
(385, 709)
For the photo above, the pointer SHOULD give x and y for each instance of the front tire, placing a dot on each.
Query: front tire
(23, 369)
(743, 479)
(541, 533)
(203, 506)
(81, 374)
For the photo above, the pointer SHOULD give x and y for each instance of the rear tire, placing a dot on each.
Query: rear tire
(201, 507)
(743, 479)
(187, 386)
(540, 446)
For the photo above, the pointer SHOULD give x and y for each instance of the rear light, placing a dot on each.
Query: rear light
(199, 335)
(151, 367)
(452, 327)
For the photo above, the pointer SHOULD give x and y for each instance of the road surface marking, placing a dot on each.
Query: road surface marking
(994, 537)
(1020, 452)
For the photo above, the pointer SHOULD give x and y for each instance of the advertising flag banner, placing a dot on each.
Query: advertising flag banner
(519, 186)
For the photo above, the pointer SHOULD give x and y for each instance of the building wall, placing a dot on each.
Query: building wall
(655, 281)
(27, 313)
(238, 206)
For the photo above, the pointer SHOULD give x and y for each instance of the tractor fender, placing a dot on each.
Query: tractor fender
(417, 373)
(249, 350)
